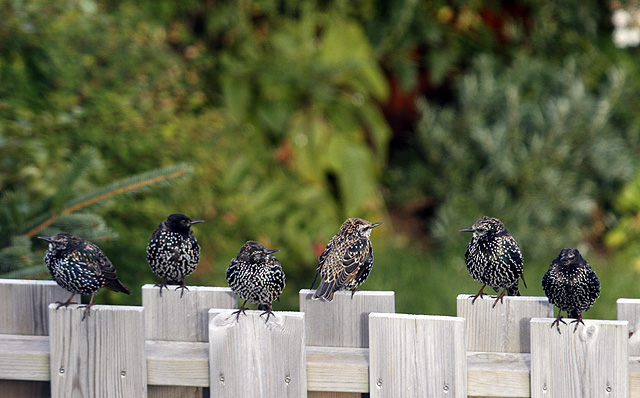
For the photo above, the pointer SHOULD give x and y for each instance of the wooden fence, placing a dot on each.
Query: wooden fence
(192, 347)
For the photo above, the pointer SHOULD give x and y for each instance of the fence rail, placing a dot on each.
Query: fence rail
(386, 354)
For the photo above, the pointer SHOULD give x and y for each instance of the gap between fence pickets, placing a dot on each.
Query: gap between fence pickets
(344, 369)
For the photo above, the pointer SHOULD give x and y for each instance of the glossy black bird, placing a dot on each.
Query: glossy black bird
(173, 251)
(494, 258)
(571, 285)
(347, 260)
(80, 267)
(255, 275)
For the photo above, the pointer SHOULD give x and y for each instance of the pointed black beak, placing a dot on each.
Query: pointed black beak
(48, 239)
(271, 250)
(195, 222)
(470, 229)
(375, 224)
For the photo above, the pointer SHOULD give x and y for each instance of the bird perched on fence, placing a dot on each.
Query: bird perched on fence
(347, 260)
(571, 285)
(80, 267)
(255, 275)
(173, 252)
(494, 258)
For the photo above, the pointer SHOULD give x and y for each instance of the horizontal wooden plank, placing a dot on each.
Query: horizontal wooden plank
(497, 374)
(173, 363)
(328, 368)
(24, 357)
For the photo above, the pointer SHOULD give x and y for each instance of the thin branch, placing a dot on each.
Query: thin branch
(102, 197)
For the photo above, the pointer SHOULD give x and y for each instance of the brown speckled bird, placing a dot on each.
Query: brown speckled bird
(347, 261)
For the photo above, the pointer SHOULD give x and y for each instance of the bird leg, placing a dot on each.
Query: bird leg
(87, 307)
(241, 309)
(577, 321)
(182, 286)
(499, 298)
(162, 284)
(269, 312)
(480, 294)
(66, 303)
(355, 289)
(557, 321)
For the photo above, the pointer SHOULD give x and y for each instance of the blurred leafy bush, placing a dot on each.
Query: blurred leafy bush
(529, 144)
(296, 115)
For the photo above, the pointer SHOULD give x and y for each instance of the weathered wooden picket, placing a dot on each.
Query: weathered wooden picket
(193, 347)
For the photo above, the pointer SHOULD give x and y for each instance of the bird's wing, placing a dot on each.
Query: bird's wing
(91, 259)
(594, 285)
(345, 269)
(95, 260)
(322, 259)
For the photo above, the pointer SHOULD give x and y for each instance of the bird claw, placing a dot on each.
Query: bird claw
(181, 287)
(557, 323)
(242, 309)
(480, 294)
(269, 313)
(87, 309)
(65, 304)
(161, 285)
(577, 321)
(499, 298)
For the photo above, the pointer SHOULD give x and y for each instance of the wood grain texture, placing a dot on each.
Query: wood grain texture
(24, 310)
(102, 356)
(634, 376)
(24, 358)
(495, 374)
(629, 310)
(173, 363)
(329, 368)
(253, 358)
(173, 318)
(417, 356)
(24, 305)
(504, 328)
(592, 362)
(345, 369)
(344, 322)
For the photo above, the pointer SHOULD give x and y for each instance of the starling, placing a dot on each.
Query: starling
(571, 285)
(256, 276)
(493, 258)
(80, 267)
(347, 260)
(173, 251)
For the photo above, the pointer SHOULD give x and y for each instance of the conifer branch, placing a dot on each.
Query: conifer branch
(118, 188)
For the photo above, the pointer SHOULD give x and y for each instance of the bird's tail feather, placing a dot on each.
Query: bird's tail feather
(117, 286)
(513, 290)
(325, 291)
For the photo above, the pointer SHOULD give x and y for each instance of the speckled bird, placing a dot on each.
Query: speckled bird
(173, 252)
(571, 285)
(494, 258)
(256, 276)
(80, 267)
(347, 260)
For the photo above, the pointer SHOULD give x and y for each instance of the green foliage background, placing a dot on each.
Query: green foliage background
(296, 115)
